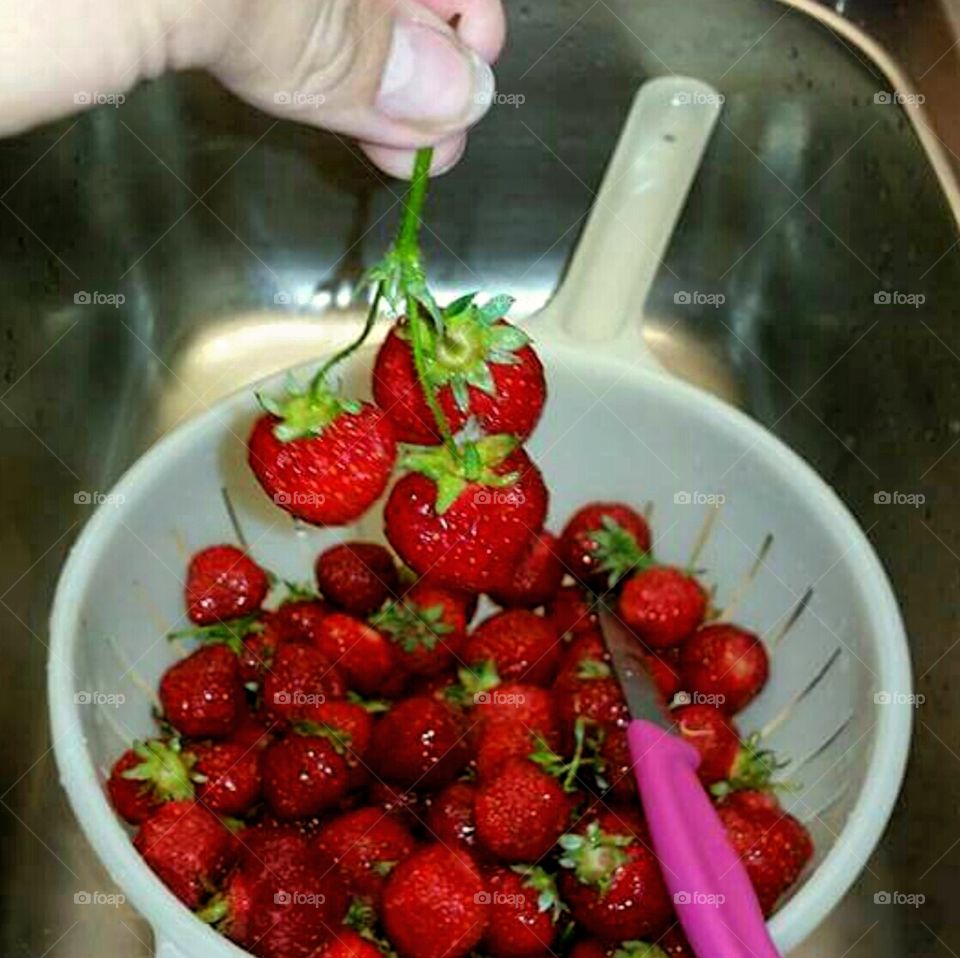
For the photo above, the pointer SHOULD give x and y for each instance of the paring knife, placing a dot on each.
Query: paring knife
(712, 894)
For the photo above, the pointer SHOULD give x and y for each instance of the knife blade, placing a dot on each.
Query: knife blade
(643, 698)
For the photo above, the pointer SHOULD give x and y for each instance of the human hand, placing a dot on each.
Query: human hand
(391, 73)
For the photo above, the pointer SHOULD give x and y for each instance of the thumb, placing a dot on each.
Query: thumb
(390, 73)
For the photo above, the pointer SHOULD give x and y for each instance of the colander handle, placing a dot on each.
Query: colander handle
(712, 894)
(633, 216)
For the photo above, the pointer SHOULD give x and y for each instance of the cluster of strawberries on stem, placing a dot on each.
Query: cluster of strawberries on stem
(357, 770)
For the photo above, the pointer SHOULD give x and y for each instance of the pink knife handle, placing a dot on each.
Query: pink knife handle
(714, 899)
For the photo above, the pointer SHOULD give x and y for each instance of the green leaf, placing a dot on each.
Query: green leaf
(449, 489)
(508, 339)
(496, 308)
(461, 393)
(480, 376)
(459, 305)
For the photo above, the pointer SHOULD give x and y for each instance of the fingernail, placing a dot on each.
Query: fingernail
(432, 80)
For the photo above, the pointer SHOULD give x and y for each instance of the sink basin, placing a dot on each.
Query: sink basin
(159, 255)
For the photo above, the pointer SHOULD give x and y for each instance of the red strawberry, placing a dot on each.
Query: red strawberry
(257, 649)
(624, 819)
(521, 812)
(223, 582)
(202, 695)
(354, 727)
(365, 845)
(725, 662)
(256, 730)
(403, 804)
(435, 904)
(524, 907)
(522, 645)
(419, 743)
(300, 620)
(613, 885)
(594, 694)
(664, 671)
(188, 847)
(500, 743)
(466, 523)
(450, 817)
(304, 774)
(513, 704)
(427, 627)
(588, 647)
(662, 605)
(227, 776)
(773, 845)
(603, 541)
(616, 765)
(300, 678)
(536, 578)
(357, 576)
(673, 944)
(571, 611)
(147, 775)
(362, 653)
(348, 944)
(481, 366)
(724, 760)
(322, 459)
(297, 902)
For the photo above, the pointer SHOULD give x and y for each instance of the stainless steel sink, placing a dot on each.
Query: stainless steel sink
(235, 242)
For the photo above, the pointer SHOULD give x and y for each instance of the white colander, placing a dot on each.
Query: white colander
(615, 427)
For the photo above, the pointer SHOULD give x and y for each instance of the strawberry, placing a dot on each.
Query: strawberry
(593, 694)
(725, 662)
(524, 907)
(663, 669)
(354, 727)
(536, 578)
(147, 775)
(188, 847)
(614, 819)
(450, 818)
(571, 611)
(726, 763)
(365, 845)
(613, 885)
(662, 605)
(466, 521)
(347, 943)
(283, 900)
(305, 773)
(587, 647)
(616, 765)
(223, 582)
(362, 653)
(427, 627)
(323, 459)
(500, 743)
(603, 541)
(522, 646)
(435, 904)
(512, 704)
(773, 845)
(591, 948)
(403, 804)
(227, 776)
(357, 576)
(202, 695)
(673, 944)
(256, 651)
(521, 812)
(419, 743)
(300, 678)
(480, 366)
(300, 619)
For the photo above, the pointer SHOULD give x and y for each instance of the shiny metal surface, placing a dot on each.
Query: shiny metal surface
(643, 699)
(235, 239)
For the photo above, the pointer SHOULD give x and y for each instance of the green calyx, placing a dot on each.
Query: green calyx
(164, 769)
(542, 882)
(554, 764)
(230, 632)
(361, 916)
(474, 463)
(305, 412)
(617, 551)
(593, 669)
(411, 626)
(753, 769)
(639, 949)
(594, 856)
(373, 706)
(475, 681)
(469, 339)
(216, 912)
